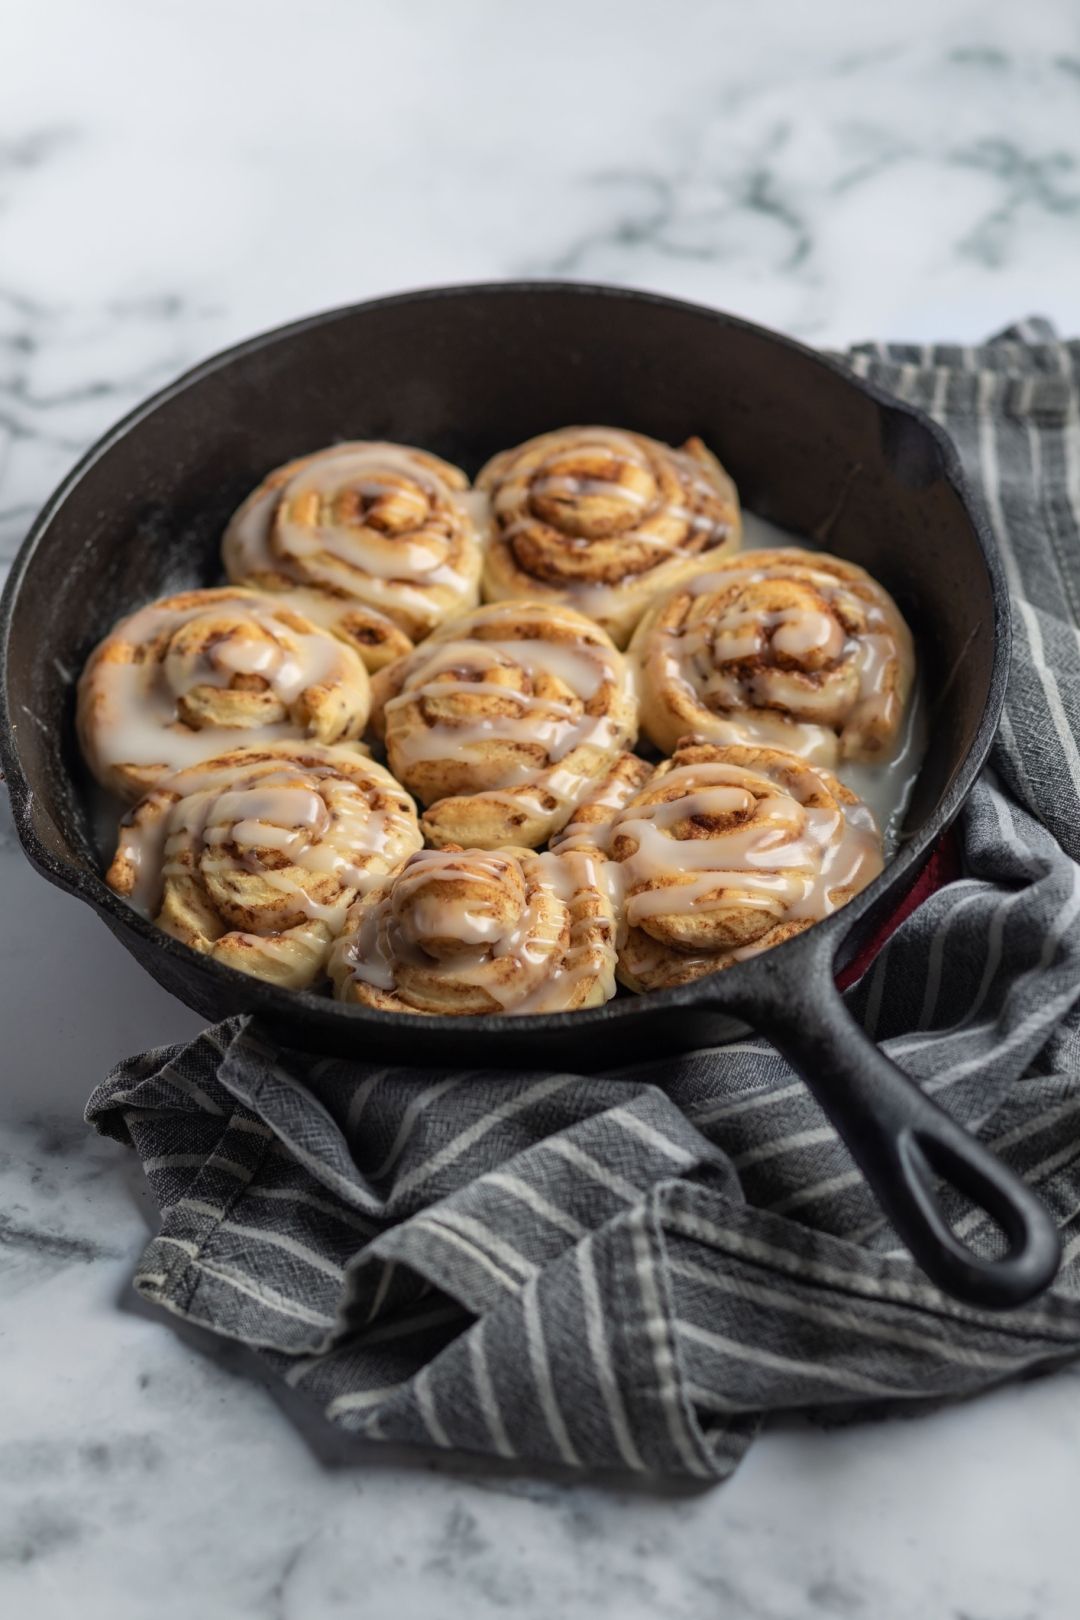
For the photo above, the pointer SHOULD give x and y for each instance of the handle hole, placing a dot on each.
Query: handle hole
(934, 1164)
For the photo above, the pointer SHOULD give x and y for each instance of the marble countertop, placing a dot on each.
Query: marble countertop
(175, 177)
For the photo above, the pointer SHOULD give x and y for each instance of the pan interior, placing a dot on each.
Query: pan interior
(465, 373)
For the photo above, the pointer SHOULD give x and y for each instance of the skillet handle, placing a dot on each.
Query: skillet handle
(901, 1140)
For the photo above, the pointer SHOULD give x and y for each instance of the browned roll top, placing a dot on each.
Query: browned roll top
(502, 720)
(727, 851)
(461, 932)
(786, 647)
(254, 857)
(382, 541)
(601, 520)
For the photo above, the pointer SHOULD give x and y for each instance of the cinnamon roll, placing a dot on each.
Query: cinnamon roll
(602, 520)
(501, 722)
(255, 856)
(190, 675)
(388, 536)
(791, 648)
(461, 932)
(728, 851)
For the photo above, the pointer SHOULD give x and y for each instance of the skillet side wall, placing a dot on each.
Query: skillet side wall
(466, 373)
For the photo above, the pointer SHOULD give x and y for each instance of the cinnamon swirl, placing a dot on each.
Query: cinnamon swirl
(728, 851)
(792, 648)
(255, 856)
(460, 932)
(501, 721)
(190, 675)
(602, 520)
(388, 536)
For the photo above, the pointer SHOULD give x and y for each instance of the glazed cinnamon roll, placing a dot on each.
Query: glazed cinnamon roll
(255, 856)
(792, 648)
(501, 722)
(190, 675)
(386, 535)
(461, 932)
(602, 520)
(728, 851)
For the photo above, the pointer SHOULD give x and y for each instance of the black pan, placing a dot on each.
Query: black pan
(465, 371)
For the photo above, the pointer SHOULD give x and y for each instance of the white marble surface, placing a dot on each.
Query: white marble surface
(173, 177)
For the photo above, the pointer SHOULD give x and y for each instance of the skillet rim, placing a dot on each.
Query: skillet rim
(270, 1000)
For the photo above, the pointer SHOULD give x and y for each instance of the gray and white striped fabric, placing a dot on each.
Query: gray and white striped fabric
(629, 1271)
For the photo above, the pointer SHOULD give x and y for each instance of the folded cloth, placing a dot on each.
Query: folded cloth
(629, 1271)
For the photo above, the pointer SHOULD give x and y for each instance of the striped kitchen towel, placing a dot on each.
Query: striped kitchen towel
(630, 1271)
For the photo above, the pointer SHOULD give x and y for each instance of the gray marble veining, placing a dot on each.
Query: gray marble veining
(172, 179)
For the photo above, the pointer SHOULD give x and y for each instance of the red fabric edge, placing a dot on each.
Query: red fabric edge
(943, 866)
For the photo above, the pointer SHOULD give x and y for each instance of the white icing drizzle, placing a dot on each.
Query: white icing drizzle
(604, 509)
(885, 785)
(790, 676)
(291, 823)
(514, 709)
(626, 779)
(164, 707)
(780, 857)
(375, 521)
(522, 487)
(558, 724)
(510, 924)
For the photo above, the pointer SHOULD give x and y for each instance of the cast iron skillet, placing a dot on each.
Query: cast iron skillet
(466, 371)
